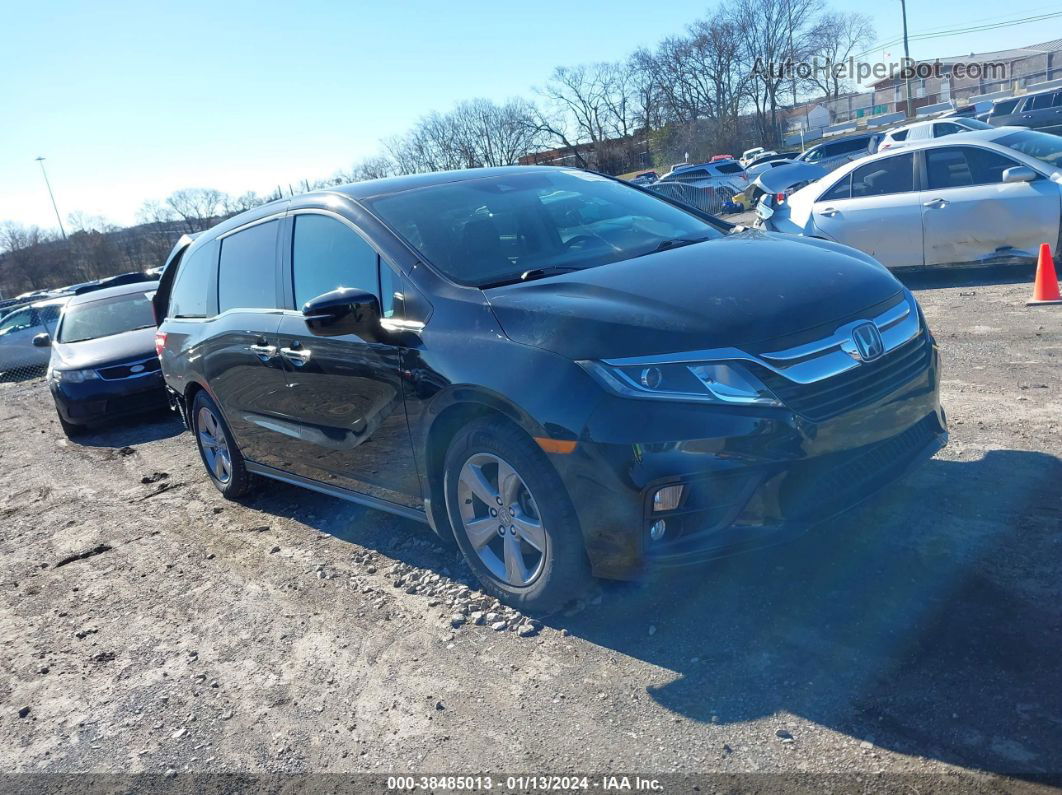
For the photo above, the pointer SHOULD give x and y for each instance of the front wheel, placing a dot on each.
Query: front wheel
(222, 459)
(513, 519)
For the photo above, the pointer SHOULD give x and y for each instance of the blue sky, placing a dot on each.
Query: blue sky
(132, 100)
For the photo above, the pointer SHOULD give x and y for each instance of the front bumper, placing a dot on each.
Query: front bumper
(751, 476)
(98, 400)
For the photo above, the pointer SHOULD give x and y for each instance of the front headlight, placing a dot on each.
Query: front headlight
(71, 376)
(709, 382)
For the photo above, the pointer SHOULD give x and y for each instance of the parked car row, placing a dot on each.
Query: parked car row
(988, 196)
(1041, 110)
(27, 315)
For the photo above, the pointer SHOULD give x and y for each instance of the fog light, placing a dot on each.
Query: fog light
(657, 530)
(667, 498)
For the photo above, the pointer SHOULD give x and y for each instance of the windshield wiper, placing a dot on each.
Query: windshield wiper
(677, 242)
(531, 275)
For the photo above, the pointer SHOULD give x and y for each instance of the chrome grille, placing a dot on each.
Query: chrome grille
(858, 386)
(118, 372)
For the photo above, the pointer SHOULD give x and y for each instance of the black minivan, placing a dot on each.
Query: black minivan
(567, 375)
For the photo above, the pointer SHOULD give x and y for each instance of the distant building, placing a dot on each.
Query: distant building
(806, 117)
(1004, 70)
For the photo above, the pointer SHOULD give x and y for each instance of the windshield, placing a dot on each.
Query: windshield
(106, 317)
(1043, 146)
(484, 231)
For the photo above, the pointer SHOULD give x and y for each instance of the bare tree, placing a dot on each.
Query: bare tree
(836, 37)
(775, 34)
(197, 207)
(474, 134)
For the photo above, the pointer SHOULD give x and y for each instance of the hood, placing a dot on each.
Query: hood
(128, 346)
(781, 178)
(736, 291)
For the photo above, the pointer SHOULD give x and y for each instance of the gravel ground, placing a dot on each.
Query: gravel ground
(146, 625)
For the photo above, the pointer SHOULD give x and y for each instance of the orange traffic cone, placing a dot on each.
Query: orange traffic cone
(1045, 288)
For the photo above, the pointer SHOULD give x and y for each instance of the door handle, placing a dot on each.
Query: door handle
(264, 352)
(829, 212)
(936, 203)
(296, 357)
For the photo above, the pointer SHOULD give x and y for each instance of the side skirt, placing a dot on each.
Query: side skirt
(335, 491)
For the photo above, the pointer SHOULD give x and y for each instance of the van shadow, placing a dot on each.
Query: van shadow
(927, 621)
(960, 276)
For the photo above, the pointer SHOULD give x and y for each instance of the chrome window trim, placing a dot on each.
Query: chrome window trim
(274, 217)
(810, 362)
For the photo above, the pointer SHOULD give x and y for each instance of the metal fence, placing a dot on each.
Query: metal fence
(706, 199)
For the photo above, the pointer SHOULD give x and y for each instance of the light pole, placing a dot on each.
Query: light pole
(907, 59)
(51, 195)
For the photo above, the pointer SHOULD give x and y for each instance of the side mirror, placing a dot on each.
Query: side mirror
(1019, 174)
(344, 311)
(42, 341)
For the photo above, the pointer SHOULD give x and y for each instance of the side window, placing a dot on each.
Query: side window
(1004, 108)
(842, 190)
(960, 166)
(1039, 102)
(946, 128)
(49, 315)
(854, 145)
(17, 321)
(247, 271)
(882, 177)
(1058, 100)
(327, 254)
(900, 135)
(188, 298)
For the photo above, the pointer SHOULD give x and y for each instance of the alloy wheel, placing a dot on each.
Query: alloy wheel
(501, 520)
(215, 445)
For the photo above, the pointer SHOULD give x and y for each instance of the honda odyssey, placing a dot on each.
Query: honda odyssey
(566, 375)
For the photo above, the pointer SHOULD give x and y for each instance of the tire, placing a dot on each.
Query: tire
(69, 428)
(542, 528)
(221, 457)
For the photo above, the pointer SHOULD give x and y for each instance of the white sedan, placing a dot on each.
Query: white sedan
(928, 130)
(986, 197)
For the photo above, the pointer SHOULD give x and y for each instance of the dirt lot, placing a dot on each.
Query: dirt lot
(921, 634)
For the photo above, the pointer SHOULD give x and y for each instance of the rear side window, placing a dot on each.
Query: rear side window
(961, 166)
(846, 147)
(188, 297)
(1004, 108)
(248, 267)
(882, 177)
(730, 168)
(947, 128)
(1039, 102)
(327, 254)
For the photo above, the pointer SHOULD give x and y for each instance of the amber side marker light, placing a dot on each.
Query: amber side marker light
(562, 446)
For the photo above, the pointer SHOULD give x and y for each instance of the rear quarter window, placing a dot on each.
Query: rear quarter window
(730, 168)
(191, 287)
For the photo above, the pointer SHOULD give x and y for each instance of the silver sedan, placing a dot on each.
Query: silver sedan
(986, 197)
